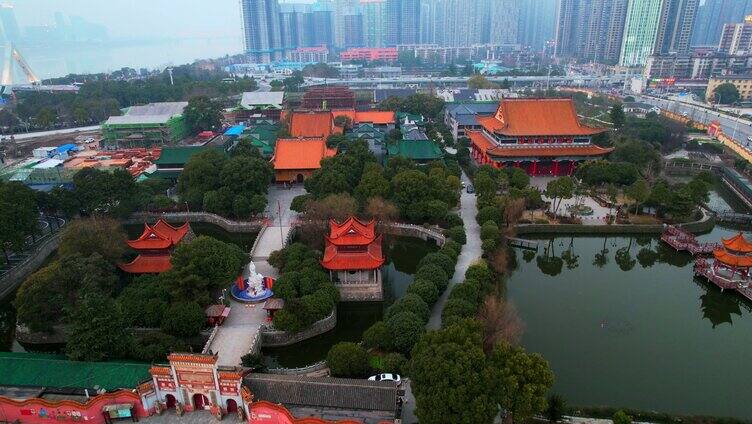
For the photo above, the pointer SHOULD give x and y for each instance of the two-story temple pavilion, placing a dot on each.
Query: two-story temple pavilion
(540, 136)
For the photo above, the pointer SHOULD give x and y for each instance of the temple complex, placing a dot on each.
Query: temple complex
(154, 247)
(353, 257)
(540, 136)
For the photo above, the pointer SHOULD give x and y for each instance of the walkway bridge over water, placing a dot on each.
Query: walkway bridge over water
(684, 241)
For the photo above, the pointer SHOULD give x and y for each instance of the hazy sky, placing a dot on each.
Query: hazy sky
(141, 18)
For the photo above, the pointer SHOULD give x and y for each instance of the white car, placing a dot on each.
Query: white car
(386, 377)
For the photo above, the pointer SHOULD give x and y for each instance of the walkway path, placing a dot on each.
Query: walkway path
(240, 330)
(471, 252)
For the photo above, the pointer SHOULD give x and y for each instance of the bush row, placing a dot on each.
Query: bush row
(404, 321)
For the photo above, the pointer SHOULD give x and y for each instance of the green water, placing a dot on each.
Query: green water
(624, 323)
(403, 255)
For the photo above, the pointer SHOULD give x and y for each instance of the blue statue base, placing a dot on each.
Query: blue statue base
(245, 296)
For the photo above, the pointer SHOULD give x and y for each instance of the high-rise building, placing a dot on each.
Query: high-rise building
(320, 28)
(675, 26)
(503, 18)
(353, 31)
(640, 31)
(537, 22)
(374, 22)
(736, 39)
(590, 29)
(10, 30)
(262, 36)
(402, 22)
(711, 17)
(292, 27)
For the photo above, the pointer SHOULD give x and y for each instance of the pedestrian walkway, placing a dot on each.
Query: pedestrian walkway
(236, 337)
(470, 253)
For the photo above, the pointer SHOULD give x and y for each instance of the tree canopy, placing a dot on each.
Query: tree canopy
(202, 114)
(726, 93)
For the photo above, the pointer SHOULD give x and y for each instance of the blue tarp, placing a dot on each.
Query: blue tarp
(235, 131)
(65, 148)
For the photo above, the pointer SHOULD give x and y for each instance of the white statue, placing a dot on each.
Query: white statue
(255, 281)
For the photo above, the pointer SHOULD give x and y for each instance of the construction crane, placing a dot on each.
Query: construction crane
(12, 55)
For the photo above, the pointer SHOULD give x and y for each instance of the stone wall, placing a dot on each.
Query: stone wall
(274, 338)
(314, 369)
(13, 278)
(410, 230)
(179, 217)
(700, 226)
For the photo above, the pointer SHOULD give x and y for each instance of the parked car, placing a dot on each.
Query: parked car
(470, 189)
(386, 377)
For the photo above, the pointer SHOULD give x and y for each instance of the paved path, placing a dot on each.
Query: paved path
(235, 337)
(471, 252)
(599, 212)
(31, 135)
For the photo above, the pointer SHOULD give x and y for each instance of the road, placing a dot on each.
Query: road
(471, 252)
(31, 135)
(739, 129)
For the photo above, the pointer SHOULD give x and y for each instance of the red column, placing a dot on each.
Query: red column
(534, 171)
(556, 168)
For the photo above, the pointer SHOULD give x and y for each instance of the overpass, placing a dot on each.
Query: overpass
(413, 80)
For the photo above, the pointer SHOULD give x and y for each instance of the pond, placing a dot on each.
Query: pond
(353, 318)
(624, 324)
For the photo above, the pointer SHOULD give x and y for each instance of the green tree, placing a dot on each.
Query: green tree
(154, 347)
(639, 192)
(618, 118)
(405, 328)
(410, 302)
(200, 175)
(621, 417)
(558, 190)
(347, 359)
(96, 331)
(726, 94)
(101, 192)
(202, 114)
(450, 379)
(144, 302)
(433, 273)
(87, 236)
(377, 336)
(556, 408)
(19, 215)
(372, 184)
(202, 267)
(480, 82)
(184, 319)
(37, 305)
(521, 380)
(425, 289)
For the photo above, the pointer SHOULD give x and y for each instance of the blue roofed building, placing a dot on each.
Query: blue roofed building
(463, 117)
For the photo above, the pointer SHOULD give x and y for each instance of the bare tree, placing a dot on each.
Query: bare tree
(315, 220)
(513, 211)
(500, 322)
(499, 261)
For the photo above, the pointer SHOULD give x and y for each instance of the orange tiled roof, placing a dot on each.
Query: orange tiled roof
(738, 244)
(732, 260)
(148, 264)
(161, 235)
(351, 232)
(292, 153)
(534, 150)
(338, 260)
(350, 113)
(312, 124)
(376, 117)
(536, 117)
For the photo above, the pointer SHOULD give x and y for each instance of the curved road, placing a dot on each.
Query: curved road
(471, 252)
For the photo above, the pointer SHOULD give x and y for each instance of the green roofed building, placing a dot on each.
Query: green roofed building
(417, 146)
(263, 137)
(404, 118)
(155, 124)
(172, 160)
(55, 371)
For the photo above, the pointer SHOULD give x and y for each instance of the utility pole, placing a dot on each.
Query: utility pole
(169, 71)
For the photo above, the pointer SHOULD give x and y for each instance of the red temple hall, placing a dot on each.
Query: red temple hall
(354, 257)
(154, 247)
(540, 136)
(730, 266)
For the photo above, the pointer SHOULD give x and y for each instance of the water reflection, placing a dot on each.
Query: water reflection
(598, 307)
